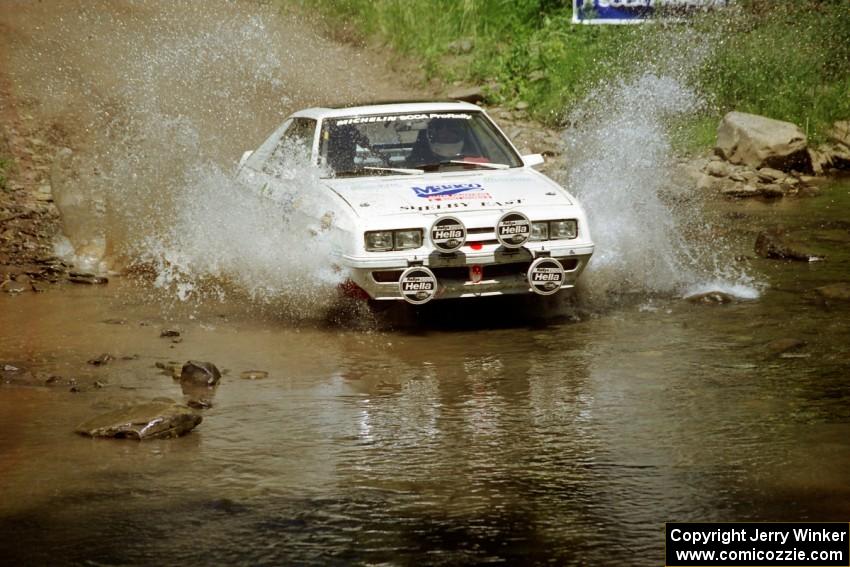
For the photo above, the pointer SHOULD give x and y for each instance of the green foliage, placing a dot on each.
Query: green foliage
(787, 59)
(791, 62)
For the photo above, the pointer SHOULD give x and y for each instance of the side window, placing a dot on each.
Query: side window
(261, 154)
(301, 132)
(295, 144)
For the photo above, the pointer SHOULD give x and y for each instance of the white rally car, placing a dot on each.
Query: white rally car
(427, 201)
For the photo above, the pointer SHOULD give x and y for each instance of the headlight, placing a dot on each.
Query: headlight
(407, 239)
(563, 229)
(386, 240)
(539, 231)
(379, 241)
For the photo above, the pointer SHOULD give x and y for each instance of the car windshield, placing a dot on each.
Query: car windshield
(398, 144)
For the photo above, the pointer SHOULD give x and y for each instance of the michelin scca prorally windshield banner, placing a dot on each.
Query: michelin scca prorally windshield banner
(636, 11)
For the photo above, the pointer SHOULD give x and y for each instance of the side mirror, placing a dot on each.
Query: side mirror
(244, 158)
(531, 160)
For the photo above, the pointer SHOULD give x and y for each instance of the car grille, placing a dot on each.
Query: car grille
(482, 235)
(461, 273)
(386, 276)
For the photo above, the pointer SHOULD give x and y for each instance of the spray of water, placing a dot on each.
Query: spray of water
(166, 97)
(225, 236)
(623, 169)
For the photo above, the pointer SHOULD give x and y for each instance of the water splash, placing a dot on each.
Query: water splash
(225, 236)
(623, 169)
(165, 100)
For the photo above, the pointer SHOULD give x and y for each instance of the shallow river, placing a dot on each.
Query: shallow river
(568, 441)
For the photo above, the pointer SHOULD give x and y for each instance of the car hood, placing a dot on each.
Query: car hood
(438, 192)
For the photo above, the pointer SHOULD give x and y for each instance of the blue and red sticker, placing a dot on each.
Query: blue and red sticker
(451, 191)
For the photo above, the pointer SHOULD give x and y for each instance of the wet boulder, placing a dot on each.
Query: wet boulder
(773, 245)
(87, 278)
(152, 420)
(199, 403)
(738, 190)
(757, 141)
(770, 175)
(198, 373)
(830, 156)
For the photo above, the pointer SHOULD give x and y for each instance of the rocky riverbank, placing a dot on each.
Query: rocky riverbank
(29, 220)
(757, 156)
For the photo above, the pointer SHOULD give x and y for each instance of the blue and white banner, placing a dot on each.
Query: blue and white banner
(636, 11)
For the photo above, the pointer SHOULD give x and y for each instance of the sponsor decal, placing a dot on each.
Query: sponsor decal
(401, 117)
(513, 230)
(448, 234)
(417, 285)
(451, 191)
(545, 276)
(635, 11)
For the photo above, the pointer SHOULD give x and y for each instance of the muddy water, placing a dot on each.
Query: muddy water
(460, 440)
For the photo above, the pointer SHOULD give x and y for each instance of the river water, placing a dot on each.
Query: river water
(476, 435)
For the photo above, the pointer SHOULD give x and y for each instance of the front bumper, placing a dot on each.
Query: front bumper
(502, 271)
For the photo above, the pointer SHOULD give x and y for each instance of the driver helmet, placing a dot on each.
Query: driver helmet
(445, 136)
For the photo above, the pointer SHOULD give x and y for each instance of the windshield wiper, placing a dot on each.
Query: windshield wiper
(407, 170)
(486, 165)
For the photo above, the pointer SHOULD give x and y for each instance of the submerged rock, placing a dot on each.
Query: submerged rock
(837, 291)
(199, 403)
(152, 420)
(711, 298)
(254, 374)
(86, 278)
(758, 141)
(18, 285)
(170, 368)
(100, 360)
(200, 373)
(780, 346)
